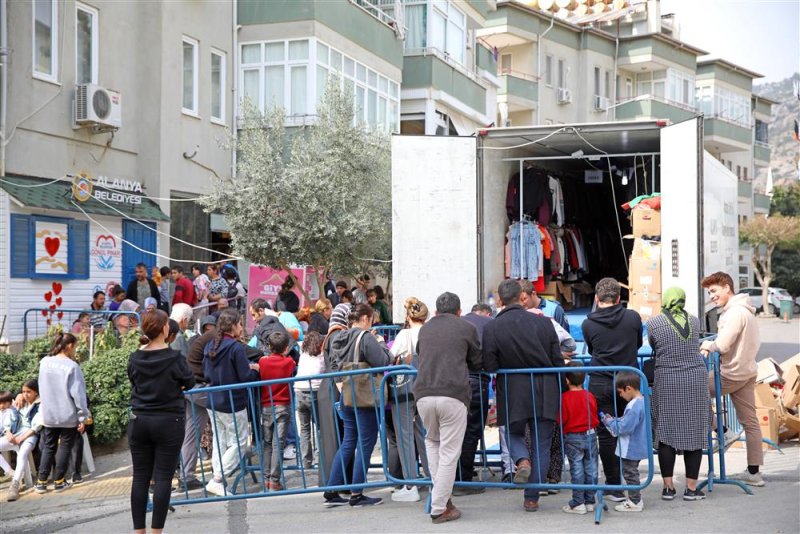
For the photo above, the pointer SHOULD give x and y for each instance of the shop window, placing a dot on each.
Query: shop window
(49, 247)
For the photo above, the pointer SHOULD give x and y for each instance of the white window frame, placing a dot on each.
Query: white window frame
(194, 112)
(95, 67)
(449, 12)
(222, 83)
(54, 50)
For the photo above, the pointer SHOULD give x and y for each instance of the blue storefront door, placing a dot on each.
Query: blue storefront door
(143, 238)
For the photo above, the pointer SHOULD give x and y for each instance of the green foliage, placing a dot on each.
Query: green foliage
(16, 369)
(786, 201)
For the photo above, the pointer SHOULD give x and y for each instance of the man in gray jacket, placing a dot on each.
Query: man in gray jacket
(447, 351)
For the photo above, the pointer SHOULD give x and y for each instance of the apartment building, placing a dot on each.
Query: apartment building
(113, 109)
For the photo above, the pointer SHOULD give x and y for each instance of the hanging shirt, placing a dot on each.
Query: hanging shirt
(558, 200)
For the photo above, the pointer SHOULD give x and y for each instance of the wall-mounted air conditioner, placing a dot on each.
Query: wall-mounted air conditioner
(97, 107)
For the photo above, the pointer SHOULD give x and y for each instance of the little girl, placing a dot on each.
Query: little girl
(26, 436)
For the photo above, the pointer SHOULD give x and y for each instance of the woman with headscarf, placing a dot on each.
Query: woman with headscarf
(680, 392)
(125, 322)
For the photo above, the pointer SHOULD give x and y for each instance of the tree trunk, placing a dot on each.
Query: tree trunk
(321, 273)
(297, 283)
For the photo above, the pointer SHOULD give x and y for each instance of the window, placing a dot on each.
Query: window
(562, 74)
(739, 171)
(607, 85)
(744, 173)
(762, 132)
(45, 39)
(597, 81)
(548, 71)
(190, 51)
(717, 102)
(49, 247)
(86, 44)
(217, 86)
(628, 88)
(505, 63)
(447, 30)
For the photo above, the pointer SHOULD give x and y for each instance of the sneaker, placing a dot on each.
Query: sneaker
(580, 509)
(543, 493)
(363, 500)
(407, 494)
(468, 490)
(450, 514)
(589, 507)
(630, 506)
(77, 479)
(730, 437)
(217, 487)
(40, 487)
(274, 486)
(523, 472)
(333, 499)
(190, 485)
(289, 453)
(507, 478)
(616, 496)
(750, 479)
(667, 494)
(13, 491)
(63, 485)
(693, 495)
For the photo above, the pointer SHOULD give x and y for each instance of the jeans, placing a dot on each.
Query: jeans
(508, 466)
(275, 425)
(476, 420)
(630, 471)
(77, 456)
(445, 419)
(56, 452)
(25, 448)
(541, 436)
(528, 266)
(581, 452)
(196, 420)
(155, 443)
(307, 413)
(409, 440)
(360, 434)
(231, 432)
(609, 402)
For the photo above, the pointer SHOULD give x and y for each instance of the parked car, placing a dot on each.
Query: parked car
(774, 298)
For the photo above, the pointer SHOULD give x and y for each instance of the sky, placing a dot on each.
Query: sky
(760, 35)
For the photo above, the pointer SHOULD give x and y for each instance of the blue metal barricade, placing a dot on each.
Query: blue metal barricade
(388, 332)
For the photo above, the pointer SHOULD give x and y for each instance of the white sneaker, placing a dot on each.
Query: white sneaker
(630, 506)
(580, 509)
(730, 437)
(216, 487)
(407, 494)
(750, 479)
(590, 508)
(289, 453)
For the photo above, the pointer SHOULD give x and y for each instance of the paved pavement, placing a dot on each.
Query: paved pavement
(779, 340)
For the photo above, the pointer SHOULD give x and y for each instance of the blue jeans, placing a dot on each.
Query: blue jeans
(357, 439)
(530, 237)
(541, 436)
(581, 450)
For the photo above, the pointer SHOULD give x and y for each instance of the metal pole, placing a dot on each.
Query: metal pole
(599, 156)
(3, 82)
(653, 174)
(521, 226)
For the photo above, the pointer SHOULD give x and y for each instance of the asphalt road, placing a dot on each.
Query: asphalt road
(779, 340)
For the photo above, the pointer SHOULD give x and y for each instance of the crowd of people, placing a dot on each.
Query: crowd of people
(436, 418)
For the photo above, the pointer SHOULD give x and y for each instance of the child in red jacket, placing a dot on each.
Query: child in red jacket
(276, 406)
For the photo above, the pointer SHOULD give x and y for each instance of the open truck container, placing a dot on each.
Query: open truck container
(449, 219)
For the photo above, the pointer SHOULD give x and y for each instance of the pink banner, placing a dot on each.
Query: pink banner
(265, 283)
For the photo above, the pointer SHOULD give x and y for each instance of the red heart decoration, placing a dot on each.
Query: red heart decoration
(49, 322)
(58, 301)
(52, 307)
(51, 245)
(60, 314)
(44, 313)
(57, 287)
(48, 296)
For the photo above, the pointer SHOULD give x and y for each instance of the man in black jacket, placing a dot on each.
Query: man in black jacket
(613, 335)
(142, 287)
(266, 323)
(447, 351)
(516, 339)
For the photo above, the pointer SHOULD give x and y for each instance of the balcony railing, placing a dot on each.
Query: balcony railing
(447, 58)
(517, 74)
(373, 8)
(663, 100)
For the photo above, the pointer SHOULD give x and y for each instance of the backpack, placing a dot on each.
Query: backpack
(232, 291)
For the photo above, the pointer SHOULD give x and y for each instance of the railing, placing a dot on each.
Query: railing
(627, 100)
(69, 314)
(517, 74)
(447, 58)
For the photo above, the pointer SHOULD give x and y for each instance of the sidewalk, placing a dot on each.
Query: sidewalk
(771, 509)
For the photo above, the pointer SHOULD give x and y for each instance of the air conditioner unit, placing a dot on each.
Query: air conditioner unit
(97, 107)
(601, 103)
(564, 96)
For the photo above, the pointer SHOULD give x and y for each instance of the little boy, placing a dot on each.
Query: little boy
(578, 420)
(632, 433)
(276, 403)
(9, 423)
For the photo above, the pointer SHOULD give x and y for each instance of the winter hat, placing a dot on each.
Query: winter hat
(150, 301)
(339, 315)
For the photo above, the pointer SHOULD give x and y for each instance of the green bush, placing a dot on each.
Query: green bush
(15, 369)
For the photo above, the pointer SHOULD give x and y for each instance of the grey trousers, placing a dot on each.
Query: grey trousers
(630, 473)
(410, 439)
(196, 421)
(275, 426)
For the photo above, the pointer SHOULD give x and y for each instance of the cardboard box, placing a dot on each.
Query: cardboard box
(768, 421)
(645, 304)
(791, 378)
(769, 371)
(644, 274)
(788, 426)
(646, 222)
(765, 398)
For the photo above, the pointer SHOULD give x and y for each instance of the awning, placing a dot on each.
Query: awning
(34, 192)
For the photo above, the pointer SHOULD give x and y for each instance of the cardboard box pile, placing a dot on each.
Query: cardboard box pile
(778, 398)
(644, 277)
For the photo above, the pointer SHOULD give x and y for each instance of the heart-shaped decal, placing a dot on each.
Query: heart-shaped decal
(52, 307)
(57, 287)
(48, 296)
(44, 313)
(51, 245)
(60, 315)
(49, 322)
(59, 301)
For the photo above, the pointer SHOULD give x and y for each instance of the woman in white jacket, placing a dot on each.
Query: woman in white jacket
(26, 436)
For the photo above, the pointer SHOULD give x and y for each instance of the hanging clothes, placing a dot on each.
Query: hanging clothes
(535, 188)
(558, 200)
(525, 250)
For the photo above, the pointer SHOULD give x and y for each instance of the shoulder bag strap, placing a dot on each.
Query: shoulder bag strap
(357, 352)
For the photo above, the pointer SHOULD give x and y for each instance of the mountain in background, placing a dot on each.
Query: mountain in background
(785, 149)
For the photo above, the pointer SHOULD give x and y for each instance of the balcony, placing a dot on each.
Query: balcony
(654, 108)
(724, 135)
(745, 189)
(761, 203)
(431, 70)
(520, 91)
(762, 153)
